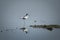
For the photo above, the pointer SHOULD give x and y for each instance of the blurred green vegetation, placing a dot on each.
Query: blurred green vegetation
(48, 27)
(45, 26)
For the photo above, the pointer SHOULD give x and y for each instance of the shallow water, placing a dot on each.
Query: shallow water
(33, 34)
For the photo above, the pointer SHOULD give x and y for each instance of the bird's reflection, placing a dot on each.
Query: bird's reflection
(24, 30)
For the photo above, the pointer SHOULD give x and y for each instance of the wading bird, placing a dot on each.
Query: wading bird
(24, 17)
(24, 28)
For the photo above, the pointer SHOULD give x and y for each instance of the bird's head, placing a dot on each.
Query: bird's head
(26, 14)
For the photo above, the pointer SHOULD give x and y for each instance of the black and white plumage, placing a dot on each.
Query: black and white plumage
(24, 17)
(24, 30)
